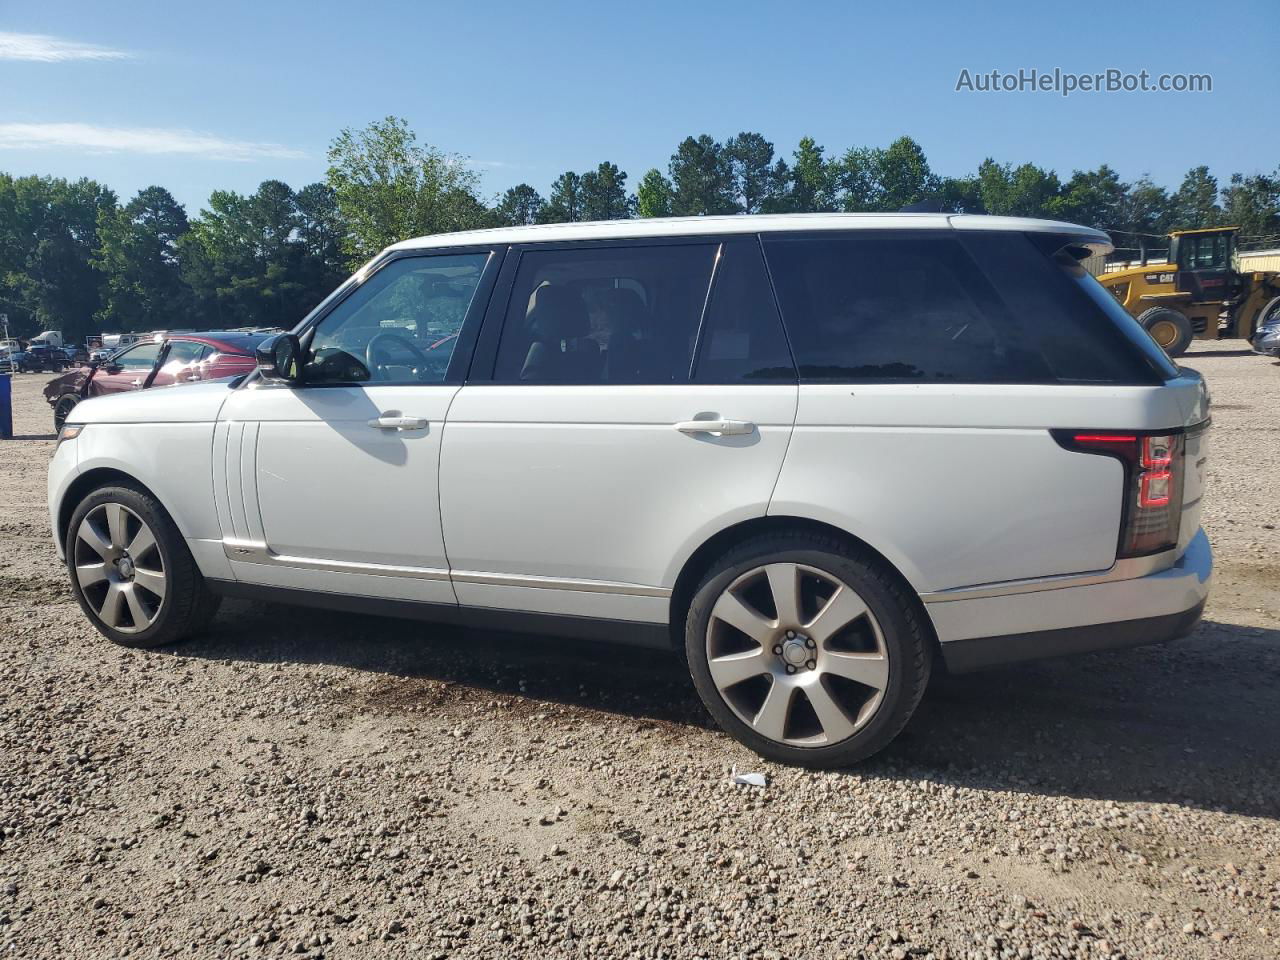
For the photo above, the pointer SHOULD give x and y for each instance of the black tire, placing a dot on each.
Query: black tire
(907, 644)
(187, 605)
(1158, 319)
(62, 408)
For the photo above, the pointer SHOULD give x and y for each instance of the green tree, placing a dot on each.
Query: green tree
(565, 203)
(904, 175)
(138, 257)
(1144, 217)
(759, 181)
(960, 195)
(520, 206)
(654, 196)
(48, 239)
(604, 194)
(1253, 204)
(702, 179)
(1023, 191)
(1092, 197)
(855, 180)
(813, 179)
(389, 188)
(1196, 201)
(264, 259)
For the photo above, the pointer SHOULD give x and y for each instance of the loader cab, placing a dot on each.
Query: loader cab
(1205, 259)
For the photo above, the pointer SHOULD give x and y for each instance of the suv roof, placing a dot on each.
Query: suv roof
(1095, 240)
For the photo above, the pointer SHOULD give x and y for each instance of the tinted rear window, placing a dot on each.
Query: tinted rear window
(902, 306)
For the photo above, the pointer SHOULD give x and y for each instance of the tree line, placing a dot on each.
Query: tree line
(74, 258)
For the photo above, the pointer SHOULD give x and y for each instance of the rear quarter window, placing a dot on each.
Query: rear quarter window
(931, 307)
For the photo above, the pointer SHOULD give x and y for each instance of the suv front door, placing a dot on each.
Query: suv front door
(627, 400)
(332, 484)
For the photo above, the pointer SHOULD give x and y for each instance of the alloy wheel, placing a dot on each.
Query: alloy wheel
(119, 568)
(797, 655)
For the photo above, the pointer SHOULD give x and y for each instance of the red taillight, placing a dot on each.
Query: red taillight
(1152, 510)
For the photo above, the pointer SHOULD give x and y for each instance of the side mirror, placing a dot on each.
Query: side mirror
(279, 359)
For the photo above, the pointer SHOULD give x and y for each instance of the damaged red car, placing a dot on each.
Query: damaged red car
(165, 361)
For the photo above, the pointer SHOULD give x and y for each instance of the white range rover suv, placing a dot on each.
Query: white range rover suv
(819, 455)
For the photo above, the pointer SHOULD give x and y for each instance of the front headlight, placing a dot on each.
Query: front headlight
(69, 431)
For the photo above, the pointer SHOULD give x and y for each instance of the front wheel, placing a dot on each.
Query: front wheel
(62, 408)
(131, 571)
(1169, 328)
(806, 650)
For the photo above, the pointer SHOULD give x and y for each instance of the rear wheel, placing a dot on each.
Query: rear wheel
(805, 650)
(131, 571)
(62, 408)
(1170, 329)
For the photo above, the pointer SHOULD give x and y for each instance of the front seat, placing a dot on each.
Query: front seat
(557, 323)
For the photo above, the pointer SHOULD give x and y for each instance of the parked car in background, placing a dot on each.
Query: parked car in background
(41, 357)
(155, 363)
(1267, 338)
(819, 454)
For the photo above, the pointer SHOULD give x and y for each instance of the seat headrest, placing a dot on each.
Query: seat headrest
(624, 309)
(556, 313)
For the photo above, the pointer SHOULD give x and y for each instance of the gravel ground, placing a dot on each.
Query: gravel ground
(314, 784)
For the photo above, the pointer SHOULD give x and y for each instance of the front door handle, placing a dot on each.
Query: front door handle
(136, 383)
(723, 428)
(387, 422)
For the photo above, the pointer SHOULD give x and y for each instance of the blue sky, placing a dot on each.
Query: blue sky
(223, 95)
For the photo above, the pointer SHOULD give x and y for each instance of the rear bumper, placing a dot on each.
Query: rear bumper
(1156, 608)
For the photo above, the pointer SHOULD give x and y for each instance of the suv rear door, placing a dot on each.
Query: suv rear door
(927, 401)
(628, 399)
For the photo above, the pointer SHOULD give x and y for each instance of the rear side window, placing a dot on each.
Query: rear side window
(927, 307)
(605, 313)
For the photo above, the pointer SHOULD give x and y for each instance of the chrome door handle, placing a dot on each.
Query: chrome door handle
(136, 383)
(399, 423)
(723, 428)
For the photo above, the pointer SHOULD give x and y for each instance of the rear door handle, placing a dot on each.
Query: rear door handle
(723, 428)
(399, 423)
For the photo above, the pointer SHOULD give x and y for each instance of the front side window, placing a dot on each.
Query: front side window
(399, 326)
(605, 314)
(141, 357)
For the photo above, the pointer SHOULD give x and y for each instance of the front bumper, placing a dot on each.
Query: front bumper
(1156, 608)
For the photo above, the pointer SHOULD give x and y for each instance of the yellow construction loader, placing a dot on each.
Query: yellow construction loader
(1199, 294)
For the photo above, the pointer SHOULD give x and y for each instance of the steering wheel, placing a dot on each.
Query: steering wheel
(370, 349)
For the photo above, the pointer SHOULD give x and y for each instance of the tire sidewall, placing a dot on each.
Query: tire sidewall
(66, 403)
(1185, 333)
(167, 538)
(904, 646)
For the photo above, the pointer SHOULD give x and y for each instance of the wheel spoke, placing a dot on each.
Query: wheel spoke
(143, 541)
(868, 669)
(836, 724)
(117, 525)
(771, 719)
(842, 609)
(92, 537)
(784, 583)
(137, 610)
(733, 669)
(112, 604)
(152, 581)
(732, 610)
(90, 574)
